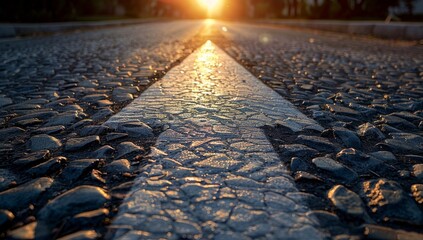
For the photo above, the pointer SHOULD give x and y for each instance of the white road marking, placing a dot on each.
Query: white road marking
(214, 173)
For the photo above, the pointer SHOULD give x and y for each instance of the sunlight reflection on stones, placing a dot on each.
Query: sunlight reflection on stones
(214, 109)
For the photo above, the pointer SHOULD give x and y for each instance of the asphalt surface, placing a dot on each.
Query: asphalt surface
(57, 91)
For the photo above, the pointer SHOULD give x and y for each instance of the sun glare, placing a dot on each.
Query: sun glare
(210, 5)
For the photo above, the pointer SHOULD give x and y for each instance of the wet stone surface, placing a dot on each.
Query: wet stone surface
(67, 86)
(34, 201)
(359, 188)
(212, 173)
(363, 88)
(55, 93)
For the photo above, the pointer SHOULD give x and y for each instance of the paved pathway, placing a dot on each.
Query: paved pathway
(213, 173)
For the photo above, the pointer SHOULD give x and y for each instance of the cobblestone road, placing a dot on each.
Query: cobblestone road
(359, 176)
(368, 95)
(215, 175)
(55, 92)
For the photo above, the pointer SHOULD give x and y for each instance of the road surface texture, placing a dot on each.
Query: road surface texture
(219, 170)
(208, 151)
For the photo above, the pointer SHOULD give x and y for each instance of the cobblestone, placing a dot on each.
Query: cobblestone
(67, 85)
(12, 199)
(59, 90)
(77, 200)
(220, 143)
(362, 85)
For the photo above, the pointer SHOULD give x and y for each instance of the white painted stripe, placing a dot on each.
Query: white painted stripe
(215, 175)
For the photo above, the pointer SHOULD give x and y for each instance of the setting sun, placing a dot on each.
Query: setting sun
(210, 5)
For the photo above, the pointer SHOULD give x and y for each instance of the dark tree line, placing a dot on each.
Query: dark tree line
(328, 9)
(48, 10)
(65, 10)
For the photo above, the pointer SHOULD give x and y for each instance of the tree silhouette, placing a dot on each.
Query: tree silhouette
(64, 10)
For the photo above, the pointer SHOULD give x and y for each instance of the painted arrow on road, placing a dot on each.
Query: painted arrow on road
(214, 173)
